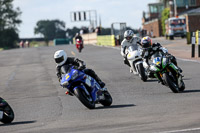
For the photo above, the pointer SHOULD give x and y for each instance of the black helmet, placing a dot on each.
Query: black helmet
(146, 42)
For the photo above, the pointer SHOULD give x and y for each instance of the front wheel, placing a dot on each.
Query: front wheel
(171, 83)
(8, 115)
(84, 98)
(142, 73)
(79, 50)
(108, 99)
(182, 88)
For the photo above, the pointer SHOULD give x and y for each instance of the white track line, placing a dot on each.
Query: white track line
(183, 130)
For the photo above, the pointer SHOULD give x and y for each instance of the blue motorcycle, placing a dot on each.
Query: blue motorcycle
(85, 88)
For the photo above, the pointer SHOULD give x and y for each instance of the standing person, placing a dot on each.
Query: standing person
(27, 44)
(21, 44)
(129, 40)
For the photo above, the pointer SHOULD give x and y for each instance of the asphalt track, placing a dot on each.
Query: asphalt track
(29, 84)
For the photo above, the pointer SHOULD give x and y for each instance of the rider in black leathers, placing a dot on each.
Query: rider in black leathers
(71, 61)
(78, 36)
(150, 49)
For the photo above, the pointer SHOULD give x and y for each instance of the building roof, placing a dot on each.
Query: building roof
(191, 12)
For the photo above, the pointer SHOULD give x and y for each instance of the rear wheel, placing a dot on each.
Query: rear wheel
(8, 115)
(84, 98)
(171, 83)
(108, 99)
(142, 72)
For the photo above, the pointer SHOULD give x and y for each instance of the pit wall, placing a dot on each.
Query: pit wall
(93, 38)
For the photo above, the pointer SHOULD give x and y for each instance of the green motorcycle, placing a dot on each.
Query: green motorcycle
(166, 72)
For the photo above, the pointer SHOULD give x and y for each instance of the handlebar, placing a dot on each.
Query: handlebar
(139, 43)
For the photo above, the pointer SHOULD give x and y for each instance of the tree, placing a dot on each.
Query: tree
(165, 16)
(50, 29)
(9, 20)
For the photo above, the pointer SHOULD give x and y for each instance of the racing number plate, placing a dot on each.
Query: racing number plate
(1, 115)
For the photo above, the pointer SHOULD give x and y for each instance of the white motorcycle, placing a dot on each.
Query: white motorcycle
(136, 62)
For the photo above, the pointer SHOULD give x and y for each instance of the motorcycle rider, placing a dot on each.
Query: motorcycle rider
(78, 36)
(62, 59)
(129, 40)
(150, 49)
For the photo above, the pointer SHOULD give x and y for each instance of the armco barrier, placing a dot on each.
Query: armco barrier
(106, 40)
(62, 41)
(90, 38)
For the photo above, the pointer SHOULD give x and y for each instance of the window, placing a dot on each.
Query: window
(192, 2)
(153, 9)
(183, 3)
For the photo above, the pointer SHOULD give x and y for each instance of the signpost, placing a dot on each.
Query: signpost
(193, 44)
(81, 16)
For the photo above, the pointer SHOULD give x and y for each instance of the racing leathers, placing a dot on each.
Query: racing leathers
(78, 37)
(148, 52)
(78, 64)
(125, 44)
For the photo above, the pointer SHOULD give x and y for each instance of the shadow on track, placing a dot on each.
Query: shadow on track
(18, 123)
(190, 91)
(151, 80)
(115, 106)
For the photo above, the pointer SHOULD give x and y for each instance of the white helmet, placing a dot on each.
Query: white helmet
(60, 57)
(128, 35)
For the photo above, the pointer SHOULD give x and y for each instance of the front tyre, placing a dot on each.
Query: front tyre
(108, 99)
(84, 98)
(142, 73)
(8, 115)
(170, 82)
(80, 50)
(182, 88)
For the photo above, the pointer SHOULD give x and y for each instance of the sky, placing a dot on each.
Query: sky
(109, 11)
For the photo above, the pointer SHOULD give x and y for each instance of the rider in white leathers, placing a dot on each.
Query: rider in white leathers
(129, 40)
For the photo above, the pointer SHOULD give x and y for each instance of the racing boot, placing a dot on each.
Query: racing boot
(102, 84)
(68, 93)
(131, 71)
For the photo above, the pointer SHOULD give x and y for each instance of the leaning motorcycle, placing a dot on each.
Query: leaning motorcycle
(6, 112)
(166, 72)
(79, 45)
(85, 88)
(136, 62)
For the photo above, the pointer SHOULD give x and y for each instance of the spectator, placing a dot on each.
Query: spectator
(21, 44)
(27, 44)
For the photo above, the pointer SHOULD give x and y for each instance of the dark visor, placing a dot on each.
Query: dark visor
(58, 60)
(128, 38)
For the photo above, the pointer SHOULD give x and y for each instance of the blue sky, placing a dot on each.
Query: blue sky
(129, 11)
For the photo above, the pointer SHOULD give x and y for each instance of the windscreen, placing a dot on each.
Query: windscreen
(177, 22)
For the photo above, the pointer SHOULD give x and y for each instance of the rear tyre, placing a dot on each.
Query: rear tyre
(84, 98)
(8, 115)
(170, 82)
(108, 99)
(142, 72)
